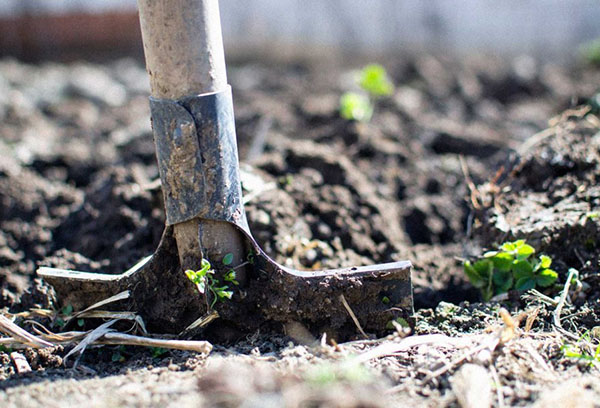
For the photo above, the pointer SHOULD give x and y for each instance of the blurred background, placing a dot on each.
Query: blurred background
(546, 29)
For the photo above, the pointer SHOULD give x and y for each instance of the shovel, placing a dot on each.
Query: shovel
(194, 135)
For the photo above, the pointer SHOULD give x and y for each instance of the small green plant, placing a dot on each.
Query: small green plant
(592, 356)
(118, 355)
(65, 312)
(375, 83)
(206, 282)
(355, 106)
(158, 352)
(513, 265)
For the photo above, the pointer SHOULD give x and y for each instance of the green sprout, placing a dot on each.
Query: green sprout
(513, 265)
(375, 83)
(355, 106)
(227, 259)
(206, 282)
(158, 352)
(589, 354)
(118, 355)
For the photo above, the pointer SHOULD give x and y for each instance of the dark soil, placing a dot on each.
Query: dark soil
(78, 190)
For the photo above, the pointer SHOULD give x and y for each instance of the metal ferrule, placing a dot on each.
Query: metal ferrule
(197, 158)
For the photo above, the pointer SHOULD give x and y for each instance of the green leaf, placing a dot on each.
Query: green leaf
(205, 266)
(503, 280)
(487, 293)
(546, 277)
(375, 81)
(508, 246)
(545, 261)
(503, 261)
(474, 276)
(225, 294)
(67, 310)
(525, 283)
(524, 251)
(354, 106)
(80, 322)
(228, 259)
(191, 275)
(484, 267)
(201, 286)
(117, 357)
(522, 269)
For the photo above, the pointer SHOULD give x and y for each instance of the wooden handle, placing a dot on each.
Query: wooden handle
(183, 46)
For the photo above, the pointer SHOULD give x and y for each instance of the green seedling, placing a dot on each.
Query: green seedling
(158, 352)
(5, 349)
(206, 282)
(250, 257)
(392, 324)
(592, 356)
(65, 311)
(374, 83)
(513, 265)
(118, 355)
(355, 106)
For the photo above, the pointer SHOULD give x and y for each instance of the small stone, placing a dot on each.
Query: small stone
(20, 362)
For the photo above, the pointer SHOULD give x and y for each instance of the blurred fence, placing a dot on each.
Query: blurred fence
(544, 28)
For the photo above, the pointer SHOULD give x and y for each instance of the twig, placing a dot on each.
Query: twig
(563, 298)
(202, 321)
(531, 318)
(90, 338)
(390, 349)
(115, 338)
(20, 335)
(473, 191)
(499, 392)
(353, 316)
(535, 139)
(119, 296)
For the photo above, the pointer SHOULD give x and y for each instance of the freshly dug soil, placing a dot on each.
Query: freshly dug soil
(78, 190)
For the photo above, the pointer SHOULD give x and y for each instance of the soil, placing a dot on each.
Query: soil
(457, 160)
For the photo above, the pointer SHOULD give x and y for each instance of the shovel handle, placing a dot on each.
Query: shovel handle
(183, 47)
(184, 54)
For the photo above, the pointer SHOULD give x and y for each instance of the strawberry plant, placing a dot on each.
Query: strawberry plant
(513, 265)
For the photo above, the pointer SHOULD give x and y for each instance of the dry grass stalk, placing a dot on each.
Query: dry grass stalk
(21, 336)
(353, 316)
(90, 338)
(115, 338)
